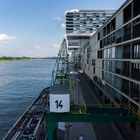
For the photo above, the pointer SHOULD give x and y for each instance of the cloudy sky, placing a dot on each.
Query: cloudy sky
(36, 27)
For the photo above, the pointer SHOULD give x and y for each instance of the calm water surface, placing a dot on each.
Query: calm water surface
(20, 83)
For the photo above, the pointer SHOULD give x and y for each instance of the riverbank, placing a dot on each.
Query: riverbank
(13, 60)
(10, 59)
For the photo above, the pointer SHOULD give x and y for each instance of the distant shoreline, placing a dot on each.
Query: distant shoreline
(13, 60)
(24, 59)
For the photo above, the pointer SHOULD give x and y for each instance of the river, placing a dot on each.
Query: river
(20, 83)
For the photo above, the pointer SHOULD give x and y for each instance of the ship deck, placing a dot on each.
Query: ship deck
(31, 124)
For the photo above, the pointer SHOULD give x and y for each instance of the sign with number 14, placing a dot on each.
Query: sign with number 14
(59, 103)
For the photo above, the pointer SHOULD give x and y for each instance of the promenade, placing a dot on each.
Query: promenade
(90, 131)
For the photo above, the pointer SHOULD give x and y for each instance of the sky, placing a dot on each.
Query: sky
(36, 28)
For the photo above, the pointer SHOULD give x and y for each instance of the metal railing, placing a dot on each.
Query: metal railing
(123, 109)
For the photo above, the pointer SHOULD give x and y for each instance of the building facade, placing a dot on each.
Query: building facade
(111, 58)
(84, 23)
(81, 25)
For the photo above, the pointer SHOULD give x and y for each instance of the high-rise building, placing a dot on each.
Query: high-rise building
(81, 24)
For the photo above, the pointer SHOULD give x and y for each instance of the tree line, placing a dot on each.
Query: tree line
(24, 57)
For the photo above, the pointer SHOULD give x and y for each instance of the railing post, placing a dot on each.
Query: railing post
(51, 125)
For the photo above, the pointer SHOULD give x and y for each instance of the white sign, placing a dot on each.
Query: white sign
(59, 103)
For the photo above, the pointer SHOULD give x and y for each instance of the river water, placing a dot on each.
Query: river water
(20, 83)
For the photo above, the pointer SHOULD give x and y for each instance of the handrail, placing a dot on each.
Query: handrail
(134, 112)
(83, 109)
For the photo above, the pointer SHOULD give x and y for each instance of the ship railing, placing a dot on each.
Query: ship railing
(123, 109)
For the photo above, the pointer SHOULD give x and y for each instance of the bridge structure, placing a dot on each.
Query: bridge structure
(101, 113)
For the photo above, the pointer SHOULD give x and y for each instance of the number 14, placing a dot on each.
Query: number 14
(59, 104)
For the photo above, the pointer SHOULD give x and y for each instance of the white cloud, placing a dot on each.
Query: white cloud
(5, 37)
(34, 50)
(21, 52)
(72, 10)
(42, 50)
(55, 46)
(58, 18)
(61, 21)
(40, 47)
(63, 25)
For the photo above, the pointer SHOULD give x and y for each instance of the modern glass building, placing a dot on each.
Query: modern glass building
(81, 24)
(111, 58)
(86, 21)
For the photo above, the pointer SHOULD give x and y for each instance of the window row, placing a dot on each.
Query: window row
(129, 88)
(121, 52)
(124, 68)
(130, 11)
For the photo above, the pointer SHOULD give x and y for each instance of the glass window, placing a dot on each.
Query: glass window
(113, 66)
(118, 67)
(136, 51)
(118, 52)
(118, 82)
(125, 86)
(127, 32)
(113, 52)
(112, 38)
(136, 27)
(126, 68)
(119, 35)
(113, 24)
(135, 91)
(126, 52)
(136, 8)
(127, 14)
(135, 71)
